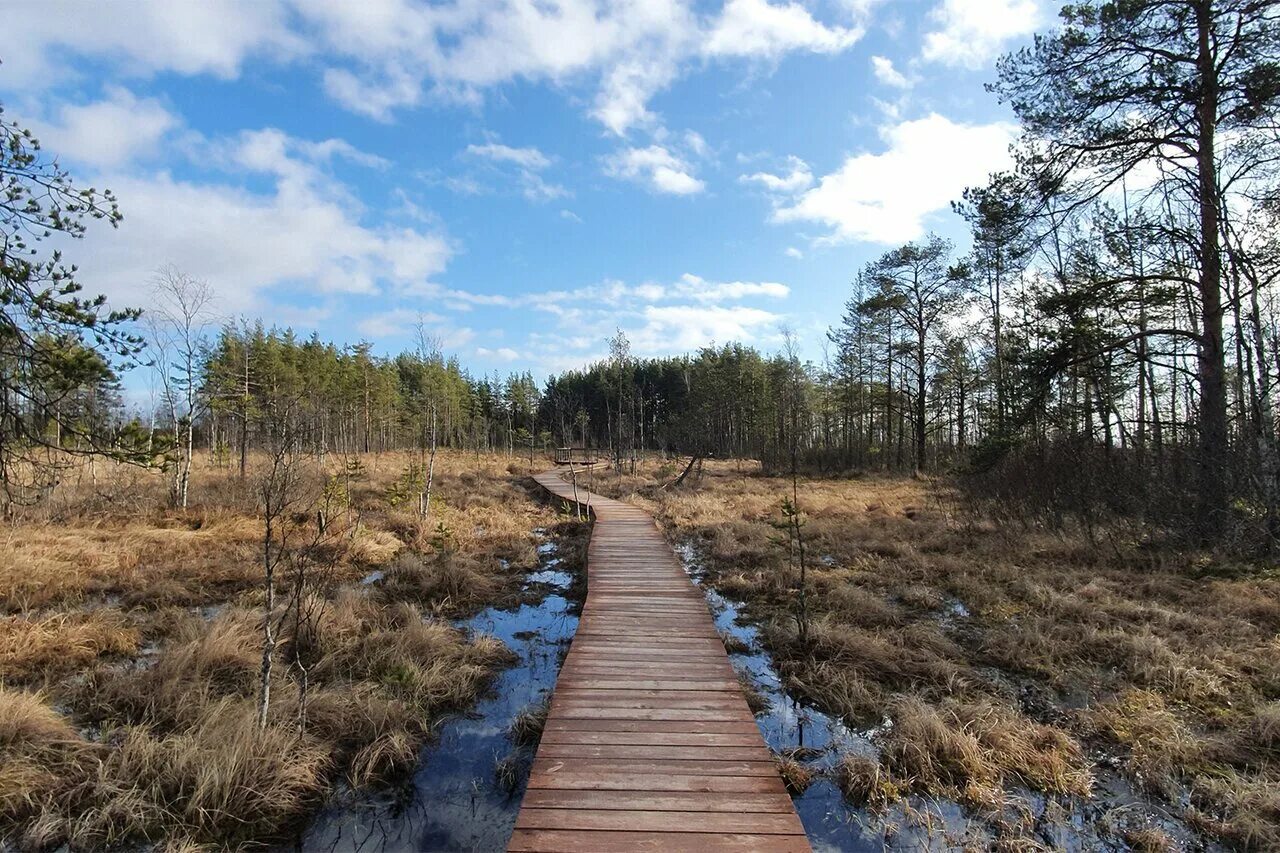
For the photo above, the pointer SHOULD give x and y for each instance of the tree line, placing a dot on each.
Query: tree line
(1106, 343)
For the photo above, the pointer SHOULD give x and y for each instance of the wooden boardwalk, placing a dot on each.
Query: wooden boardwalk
(649, 744)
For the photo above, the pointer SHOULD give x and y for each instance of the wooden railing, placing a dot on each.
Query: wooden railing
(575, 456)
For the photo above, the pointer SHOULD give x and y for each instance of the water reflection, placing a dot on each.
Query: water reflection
(454, 800)
(816, 739)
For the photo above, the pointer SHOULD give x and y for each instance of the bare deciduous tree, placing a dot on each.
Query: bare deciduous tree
(179, 326)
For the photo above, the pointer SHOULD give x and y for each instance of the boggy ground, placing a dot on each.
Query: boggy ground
(989, 660)
(131, 643)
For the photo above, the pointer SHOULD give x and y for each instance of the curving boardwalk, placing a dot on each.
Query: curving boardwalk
(649, 744)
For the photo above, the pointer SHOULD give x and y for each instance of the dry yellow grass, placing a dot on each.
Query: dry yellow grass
(55, 563)
(60, 642)
(1000, 654)
(106, 745)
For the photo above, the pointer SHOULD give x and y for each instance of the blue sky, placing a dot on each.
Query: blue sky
(522, 177)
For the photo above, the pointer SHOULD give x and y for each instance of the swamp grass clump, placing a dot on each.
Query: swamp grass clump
(525, 733)
(131, 641)
(1002, 657)
(526, 729)
(757, 701)
(174, 748)
(55, 643)
(795, 775)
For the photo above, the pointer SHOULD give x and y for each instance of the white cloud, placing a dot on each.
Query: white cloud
(887, 74)
(887, 197)
(890, 109)
(453, 337)
(303, 231)
(529, 162)
(565, 213)
(499, 354)
(107, 133)
(463, 185)
(625, 90)
(660, 318)
(969, 33)
(397, 322)
(756, 28)
(799, 178)
(527, 158)
(695, 142)
(535, 188)
(272, 151)
(142, 38)
(699, 289)
(379, 56)
(657, 167)
(793, 252)
(675, 328)
(376, 97)
(613, 295)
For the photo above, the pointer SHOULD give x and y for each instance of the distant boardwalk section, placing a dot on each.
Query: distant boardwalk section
(649, 744)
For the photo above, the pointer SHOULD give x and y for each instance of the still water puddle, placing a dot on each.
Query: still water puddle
(454, 800)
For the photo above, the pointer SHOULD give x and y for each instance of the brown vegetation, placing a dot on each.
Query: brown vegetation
(132, 645)
(1003, 657)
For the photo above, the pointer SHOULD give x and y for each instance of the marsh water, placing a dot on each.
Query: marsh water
(455, 799)
(794, 727)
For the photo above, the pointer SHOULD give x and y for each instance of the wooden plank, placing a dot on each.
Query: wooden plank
(616, 664)
(653, 714)
(610, 682)
(634, 842)
(571, 695)
(654, 752)
(636, 683)
(676, 801)
(768, 823)
(649, 743)
(652, 738)
(558, 725)
(692, 783)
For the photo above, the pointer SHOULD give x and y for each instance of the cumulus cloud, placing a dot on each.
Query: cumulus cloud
(887, 74)
(615, 295)
(655, 167)
(887, 197)
(660, 318)
(798, 178)
(397, 322)
(143, 38)
(380, 56)
(528, 158)
(700, 290)
(672, 328)
(756, 28)
(528, 162)
(302, 230)
(499, 354)
(622, 101)
(970, 33)
(108, 133)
